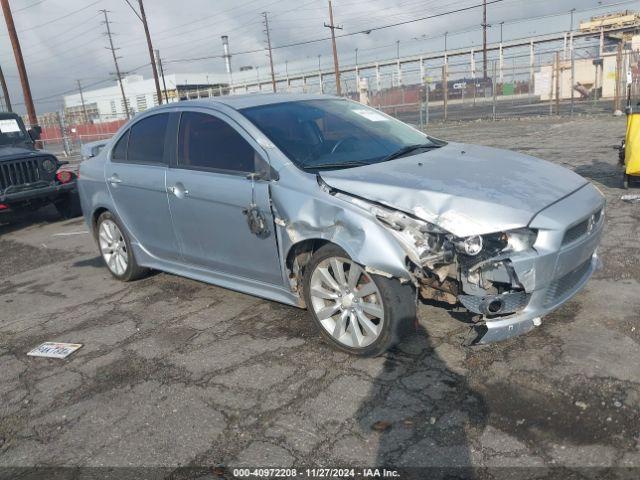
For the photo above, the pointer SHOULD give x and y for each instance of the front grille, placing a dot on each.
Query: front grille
(19, 172)
(578, 231)
(563, 286)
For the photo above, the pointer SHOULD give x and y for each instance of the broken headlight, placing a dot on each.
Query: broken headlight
(520, 240)
(512, 241)
(424, 242)
(472, 246)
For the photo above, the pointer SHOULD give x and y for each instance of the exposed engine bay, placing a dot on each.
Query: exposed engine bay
(475, 271)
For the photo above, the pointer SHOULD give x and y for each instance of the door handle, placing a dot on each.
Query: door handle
(114, 180)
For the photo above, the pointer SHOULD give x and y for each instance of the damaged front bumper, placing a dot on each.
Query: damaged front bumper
(559, 268)
(541, 303)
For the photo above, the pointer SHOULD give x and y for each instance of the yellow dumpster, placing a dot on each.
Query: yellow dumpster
(632, 145)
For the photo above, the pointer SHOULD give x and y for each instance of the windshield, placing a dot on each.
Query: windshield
(334, 133)
(11, 132)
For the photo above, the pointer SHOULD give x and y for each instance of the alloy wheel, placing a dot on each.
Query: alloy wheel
(113, 247)
(346, 302)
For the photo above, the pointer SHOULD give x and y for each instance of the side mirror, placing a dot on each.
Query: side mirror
(263, 171)
(35, 132)
(264, 175)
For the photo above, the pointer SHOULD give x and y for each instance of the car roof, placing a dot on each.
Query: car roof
(96, 142)
(238, 102)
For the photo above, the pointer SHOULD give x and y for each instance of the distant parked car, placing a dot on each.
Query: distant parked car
(91, 149)
(31, 178)
(327, 204)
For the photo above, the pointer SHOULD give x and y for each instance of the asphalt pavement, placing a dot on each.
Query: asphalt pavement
(175, 372)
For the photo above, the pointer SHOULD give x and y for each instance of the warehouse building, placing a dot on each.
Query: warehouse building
(106, 104)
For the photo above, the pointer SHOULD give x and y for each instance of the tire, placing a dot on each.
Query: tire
(118, 257)
(625, 181)
(68, 206)
(337, 307)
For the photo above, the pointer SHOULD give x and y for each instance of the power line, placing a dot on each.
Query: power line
(57, 19)
(365, 31)
(29, 6)
(89, 85)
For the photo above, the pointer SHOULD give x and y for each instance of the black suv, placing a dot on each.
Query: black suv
(31, 178)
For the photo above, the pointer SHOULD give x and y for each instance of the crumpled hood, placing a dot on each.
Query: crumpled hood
(464, 189)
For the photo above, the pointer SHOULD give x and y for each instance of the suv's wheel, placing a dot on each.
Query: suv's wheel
(356, 311)
(115, 249)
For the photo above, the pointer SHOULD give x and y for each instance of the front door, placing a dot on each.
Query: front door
(135, 175)
(212, 198)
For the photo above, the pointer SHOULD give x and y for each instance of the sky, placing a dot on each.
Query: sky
(63, 40)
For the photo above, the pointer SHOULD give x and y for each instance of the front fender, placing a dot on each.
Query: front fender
(318, 215)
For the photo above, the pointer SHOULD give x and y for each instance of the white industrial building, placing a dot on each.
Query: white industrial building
(106, 104)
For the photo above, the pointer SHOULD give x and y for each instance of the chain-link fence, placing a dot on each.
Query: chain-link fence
(596, 73)
(572, 77)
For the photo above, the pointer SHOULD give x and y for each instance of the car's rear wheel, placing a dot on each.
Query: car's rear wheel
(115, 249)
(356, 311)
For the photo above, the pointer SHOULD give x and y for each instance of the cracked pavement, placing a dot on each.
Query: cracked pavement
(174, 372)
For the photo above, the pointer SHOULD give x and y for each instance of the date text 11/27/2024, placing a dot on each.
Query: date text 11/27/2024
(315, 473)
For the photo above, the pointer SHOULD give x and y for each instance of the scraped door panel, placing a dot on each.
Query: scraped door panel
(209, 196)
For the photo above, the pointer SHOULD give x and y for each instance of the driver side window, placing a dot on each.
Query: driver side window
(206, 142)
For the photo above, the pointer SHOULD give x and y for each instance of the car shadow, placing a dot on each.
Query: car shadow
(43, 216)
(421, 410)
(95, 262)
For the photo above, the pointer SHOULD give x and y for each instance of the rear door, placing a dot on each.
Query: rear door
(135, 176)
(211, 198)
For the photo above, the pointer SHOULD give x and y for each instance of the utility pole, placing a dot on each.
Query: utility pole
(115, 62)
(22, 71)
(484, 39)
(357, 71)
(320, 74)
(336, 66)
(266, 29)
(164, 84)
(227, 58)
(558, 74)
(84, 107)
(5, 92)
(501, 54)
(573, 63)
(143, 18)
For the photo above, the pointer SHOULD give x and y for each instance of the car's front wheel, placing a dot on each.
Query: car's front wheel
(356, 311)
(115, 249)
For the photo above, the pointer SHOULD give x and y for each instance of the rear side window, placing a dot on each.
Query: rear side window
(119, 153)
(209, 143)
(146, 140)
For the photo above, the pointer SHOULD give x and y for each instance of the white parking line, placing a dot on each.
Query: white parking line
(67, 234)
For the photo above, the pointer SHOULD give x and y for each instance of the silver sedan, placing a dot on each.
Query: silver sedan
(330, 205)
